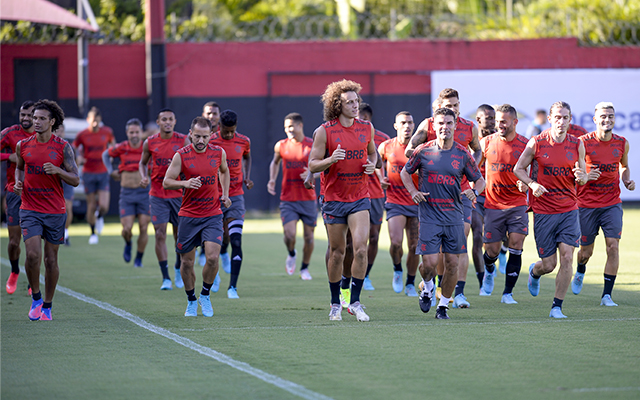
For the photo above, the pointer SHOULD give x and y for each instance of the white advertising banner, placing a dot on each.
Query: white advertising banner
(530, 90)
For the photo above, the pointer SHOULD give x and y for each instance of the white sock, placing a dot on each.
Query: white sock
(428, 285)
(66, 234)
(444, 301)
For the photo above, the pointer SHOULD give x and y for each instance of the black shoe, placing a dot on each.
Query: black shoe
(425, 301)
(441, 313)
(66, 242)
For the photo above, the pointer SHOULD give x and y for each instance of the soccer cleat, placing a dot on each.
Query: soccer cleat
(205, 305)
(410, 290)
(533, 284)
(290, 264)
(67, 242)
(576, 282)
(137, 263)
(166, 284)
(487, 283)
(345, 297)
(202, 258)
(434, 301)
(46, 314)
(12, 282)
(556, 312)
(36, 310)
(358, 310)
(127, 252)
(336, 313)
(483, 293)
(397, 281)
(460, 301)
(232, 293)
(425, 298)
(226, 262)
(216, 283)
(93, 239)
(439, 294)
(29, 290)
(192, 309)
(441, 313)
(179, 283)
(367, 285)
(305, 275)
(502, 261)
(99, 224)
(606, 301)
(507, 298)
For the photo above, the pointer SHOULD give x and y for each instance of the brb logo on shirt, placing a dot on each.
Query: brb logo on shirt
(441, 179)
(558, 171)
(35, 170)
(354, 154)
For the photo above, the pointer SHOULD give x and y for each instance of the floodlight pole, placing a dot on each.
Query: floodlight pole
(83, 65)
(156, 60)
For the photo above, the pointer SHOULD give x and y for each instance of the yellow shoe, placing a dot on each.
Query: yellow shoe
(345, 297)
(438, 292)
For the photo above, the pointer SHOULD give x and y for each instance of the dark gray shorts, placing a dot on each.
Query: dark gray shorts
(13, 209)
(467, 209)
(498, 222)
(337, 212)
(95, 182)
(607, 218)
(449, 238)
(393, 210)
(164, 210)
(49, 226)
(193, 232)
(551, 229)
(134, 201)
(236, 210)
(376, 213)
(299, 210)
(68, 190)
(480, 205)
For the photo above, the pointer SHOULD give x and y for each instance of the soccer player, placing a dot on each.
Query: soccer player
(164, 204)
(134, 200)
(376, 194)
(607, 160)
(68, 195)
(505, 205)
(402, 212)
(89, 145)
(343, 148)
(296, 201)
(9, 140)
(238, 151)
(558, 163)
(43, 162)
(198, 169)
(441, 164)
(211, 111)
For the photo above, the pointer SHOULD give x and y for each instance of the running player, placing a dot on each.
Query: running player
(9, 140)
(441, 164)
(89, 145)
(134, 200)
(607, 160)
(343, 148)
(238, 151)
(559, 163)
(164, 204)
(43, 162)
(505, 205)
(296, 201)
(402, 212)
(198, 169)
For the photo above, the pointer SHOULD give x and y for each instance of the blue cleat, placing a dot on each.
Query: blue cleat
(192, 309)
(460, 301)
(507, 298)
(166, 284)
(179, 283)
(397, 281)
(205, 305)
(216, 283)
(502, 260)
(533, 284)
(36, 310)
(367, 285)
(606, 301)
(202, 258)
(487, 284)
(137, 263)
(46, 314)
(576, 282)
(225, 260)
(556, 312)
(410, 290)
(232, 293)
(127, 252)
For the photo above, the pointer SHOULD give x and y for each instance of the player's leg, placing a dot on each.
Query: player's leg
(290, 231)
(411, 230)
(463, 268)
(127, 226)
(307, 250)
(104, 196)
(514, 265)
(52, 272)
(477, 223)
(143, 238)
(396, 225)
(235, 239)
(359, 227)
(162, 254)
(90, 215)
(33, 258)
(337, 236)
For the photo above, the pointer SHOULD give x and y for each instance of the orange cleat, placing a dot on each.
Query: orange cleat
(12, 282)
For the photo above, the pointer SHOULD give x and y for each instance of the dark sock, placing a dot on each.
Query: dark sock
(356, 288)
(557, 302)
(514, 264)
(439, 280)
(397, 267)
(15, 266)
(206, 287)
(46, 305)
(460, 287)
(534, 276)
(489, 263)
(164, 269)
(369, 266)
(582, 268)
(609, 280)
(236, 258)
(139, 255)
(191, 294)
(36, 296)
(334, 287)
(411, 280)
(304, 266)
(345, 282)
(93, 229)
(223, 248)
(292, 253)
(177, 264)
(128, 243)
(480, 276)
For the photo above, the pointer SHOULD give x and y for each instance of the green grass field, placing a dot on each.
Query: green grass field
(115, 335)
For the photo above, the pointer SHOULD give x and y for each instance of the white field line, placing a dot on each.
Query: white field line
(607, 389)
(288, 386)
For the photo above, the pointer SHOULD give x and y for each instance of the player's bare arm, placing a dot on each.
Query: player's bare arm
(19, 174)
(475, 145)
(171, 182)
(382, 173)
(69, 173)
(274, 169)
(317, 160)
(520, 170)
(418, 138)
(107, 160)
(373, 158)
(625, 172)
(580, 168)
(246, 170)
(415, 194)
(225, 179)
(143, 166)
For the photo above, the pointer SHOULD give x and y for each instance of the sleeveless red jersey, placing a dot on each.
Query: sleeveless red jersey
(205, 201)
(94, 144)
(236, 148)
(555, 163)
(392, 152)
(42, 192)
(295, 158)
(501, 156)
(375, 189)
(604, 191)
(129, 156)
(345, 180)
(162, 151)
(9, 139)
